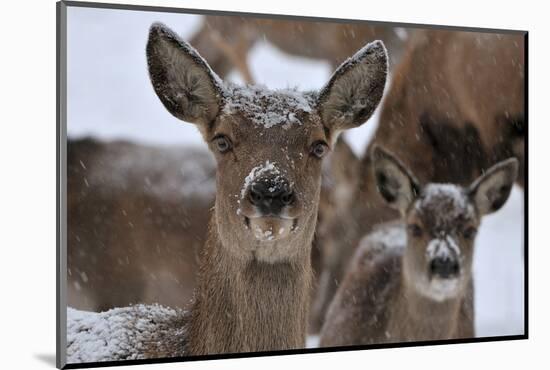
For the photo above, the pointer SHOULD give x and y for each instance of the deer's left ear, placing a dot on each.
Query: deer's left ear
(355, 89)
(491, 190)
(397, 186)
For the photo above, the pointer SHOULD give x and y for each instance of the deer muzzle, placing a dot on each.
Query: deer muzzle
(269, 200)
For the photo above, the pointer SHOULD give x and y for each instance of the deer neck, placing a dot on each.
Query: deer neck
(417, 317)
(245, 305)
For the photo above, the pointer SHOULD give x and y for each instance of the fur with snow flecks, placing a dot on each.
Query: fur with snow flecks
(267, 107)
(128, 333)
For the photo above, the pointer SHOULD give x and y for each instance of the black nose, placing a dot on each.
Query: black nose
(444, 267)
(270, 195)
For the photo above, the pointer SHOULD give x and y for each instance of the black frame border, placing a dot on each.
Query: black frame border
(61, 191)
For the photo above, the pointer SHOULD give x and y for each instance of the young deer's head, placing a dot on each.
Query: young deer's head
(441, 220)
(268, 144)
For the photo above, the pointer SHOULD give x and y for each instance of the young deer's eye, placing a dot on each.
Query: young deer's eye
(319, 149)
(415, 230)
(469, 232)
(222, 143)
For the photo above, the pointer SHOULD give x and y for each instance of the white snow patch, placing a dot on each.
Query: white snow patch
(433, 193)
(263, 235)
(437, 191)
(438, 248)
(266, 107)
(386, 237)
(312, 341)
(256, 172)
(117, 334)
(384, 240)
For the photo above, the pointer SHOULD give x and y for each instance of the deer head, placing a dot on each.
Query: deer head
(268, 144)
(441, 220)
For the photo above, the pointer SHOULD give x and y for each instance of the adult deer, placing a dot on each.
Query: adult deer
(255, 270)
(454, 108)
(412, 280)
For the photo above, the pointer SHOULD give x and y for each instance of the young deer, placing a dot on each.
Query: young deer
(412, 280)
(254, 270)
(454, 108)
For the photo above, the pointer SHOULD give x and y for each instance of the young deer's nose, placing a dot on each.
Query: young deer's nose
(270, 196)
(444, 267)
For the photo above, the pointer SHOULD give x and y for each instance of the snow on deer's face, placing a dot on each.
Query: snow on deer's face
(441, 228)
(442, 221)
(268, 144)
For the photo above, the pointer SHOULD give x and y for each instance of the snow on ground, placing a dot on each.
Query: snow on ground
(312, 341)
(110, 96)
(117, 334)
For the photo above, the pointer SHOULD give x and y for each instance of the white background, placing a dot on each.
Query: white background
(28, 182)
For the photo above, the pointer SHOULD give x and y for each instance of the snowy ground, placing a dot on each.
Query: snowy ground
(110, 96)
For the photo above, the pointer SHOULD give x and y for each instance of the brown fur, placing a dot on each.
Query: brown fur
(454, 108)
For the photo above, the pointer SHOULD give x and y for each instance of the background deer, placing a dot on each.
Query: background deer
(137, 217)
(412, 280)
(226, 41)
(254, 270)
(455, 107)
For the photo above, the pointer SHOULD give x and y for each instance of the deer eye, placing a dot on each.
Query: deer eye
(319, 149)
(469, 232)
(222, 143)
(415, 230)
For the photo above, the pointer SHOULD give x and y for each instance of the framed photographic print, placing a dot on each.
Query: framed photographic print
(236, 184)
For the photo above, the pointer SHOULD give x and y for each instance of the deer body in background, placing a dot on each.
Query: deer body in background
(455, 107)
(412, 280)
(137, 218)
(225, 41)
(254, 269)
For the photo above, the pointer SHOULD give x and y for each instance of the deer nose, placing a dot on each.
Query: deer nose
(270, 196)
(444, 267)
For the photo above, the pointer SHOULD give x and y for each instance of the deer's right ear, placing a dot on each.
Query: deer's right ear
(395, 183)
(355, 89)
(182, 79)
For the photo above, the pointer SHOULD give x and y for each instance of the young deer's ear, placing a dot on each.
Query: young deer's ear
(395, 183)
(492, 189)
(355, 89)
(183, 81)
